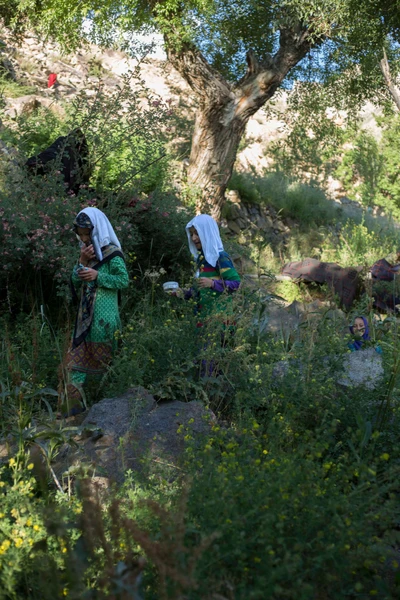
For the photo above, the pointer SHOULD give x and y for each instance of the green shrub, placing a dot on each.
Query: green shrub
(126, 138)
(292, 493)
(291, 524)
(302, 202)
(161, 220)
(298, 494)
(14, 89)
(158, 341)
(388, 183)
(362, 164)
(33, 559)
(358, 244)
(30, 133)
(31, 351)
(38, 245)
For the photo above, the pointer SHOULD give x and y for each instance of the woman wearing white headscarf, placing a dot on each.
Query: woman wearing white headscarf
(100, 273)
(215, 274)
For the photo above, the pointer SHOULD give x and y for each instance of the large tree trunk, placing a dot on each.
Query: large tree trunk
(213, 154)
(225, 109)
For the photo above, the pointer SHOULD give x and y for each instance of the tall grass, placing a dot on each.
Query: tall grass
(292, 491)
(304, 203)
(361, 243)
(13, 89)
(323, 231)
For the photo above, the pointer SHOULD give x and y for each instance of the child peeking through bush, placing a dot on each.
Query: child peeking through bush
(360, 332)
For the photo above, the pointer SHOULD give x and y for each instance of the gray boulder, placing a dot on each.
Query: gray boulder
(132, 430)
(233, 226)
(279, 317)
(362, 369)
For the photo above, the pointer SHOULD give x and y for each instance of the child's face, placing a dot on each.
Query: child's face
(195, 238)
(84, 235)
(358, 327)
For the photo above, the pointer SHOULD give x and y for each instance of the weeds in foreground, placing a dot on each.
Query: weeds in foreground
(296, 481)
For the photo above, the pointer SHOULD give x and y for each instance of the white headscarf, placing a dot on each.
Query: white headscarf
(102, 233)
(210, 238)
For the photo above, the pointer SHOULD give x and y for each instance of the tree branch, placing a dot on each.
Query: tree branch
(384, 66)
(294, 43)
(253, 66)
(204, 80)
(263, 79)
(260, 82)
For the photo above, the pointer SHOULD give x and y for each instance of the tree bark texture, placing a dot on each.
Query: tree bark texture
(224, 110)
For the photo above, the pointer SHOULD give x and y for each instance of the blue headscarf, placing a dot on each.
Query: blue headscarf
(357, 344)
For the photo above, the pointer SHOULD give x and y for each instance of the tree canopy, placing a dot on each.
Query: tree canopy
(346, 36)
(235, 54)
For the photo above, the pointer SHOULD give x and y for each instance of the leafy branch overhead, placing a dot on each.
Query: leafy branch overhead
(234, 56)
(223, 31)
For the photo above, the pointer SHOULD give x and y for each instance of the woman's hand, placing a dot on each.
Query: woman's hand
(87, 274)
(87, 254)
(178, 293)
(205, 282)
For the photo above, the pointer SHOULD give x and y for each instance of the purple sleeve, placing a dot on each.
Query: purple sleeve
(219, 285)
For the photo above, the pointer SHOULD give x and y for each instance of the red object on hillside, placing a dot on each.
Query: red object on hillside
(51, 80)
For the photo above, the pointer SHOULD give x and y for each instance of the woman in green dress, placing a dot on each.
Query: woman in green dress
(100, 273)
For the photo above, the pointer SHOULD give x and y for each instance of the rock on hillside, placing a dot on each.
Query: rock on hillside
(362, 369)
(133, 428)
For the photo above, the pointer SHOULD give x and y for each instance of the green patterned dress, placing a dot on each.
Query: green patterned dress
(226, 280)
(93, 355)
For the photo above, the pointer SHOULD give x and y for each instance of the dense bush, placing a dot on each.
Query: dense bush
(305, 522)
(358, 244)
(36, 533)
(126, 134)
(297, 497)
(161, 219)
(38, 245)
(364, 161)
(293, 494)
(31, 132)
